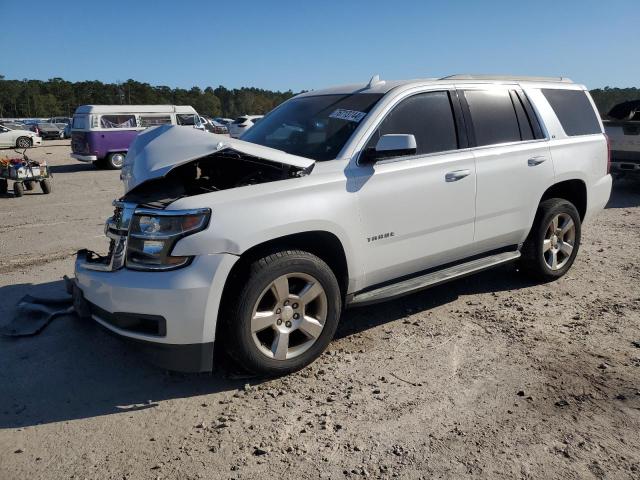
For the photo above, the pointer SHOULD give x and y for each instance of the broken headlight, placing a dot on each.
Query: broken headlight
(154, 233)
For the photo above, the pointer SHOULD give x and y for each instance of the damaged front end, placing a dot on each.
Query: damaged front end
(165, 164)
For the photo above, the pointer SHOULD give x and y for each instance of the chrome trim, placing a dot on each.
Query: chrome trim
(171, 213)
(117, 229)
(84, 158)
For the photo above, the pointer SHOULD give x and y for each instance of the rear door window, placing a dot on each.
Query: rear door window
(428, 117)
(493, 116)
(118, 121)
(574, 110)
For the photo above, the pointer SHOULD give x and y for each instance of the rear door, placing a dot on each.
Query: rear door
(513, 163)
(418, 211)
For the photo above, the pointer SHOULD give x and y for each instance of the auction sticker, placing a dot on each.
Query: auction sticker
(348, 115)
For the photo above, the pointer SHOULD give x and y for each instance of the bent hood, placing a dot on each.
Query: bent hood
(156, 151)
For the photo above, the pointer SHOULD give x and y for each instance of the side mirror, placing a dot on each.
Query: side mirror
(391, 145)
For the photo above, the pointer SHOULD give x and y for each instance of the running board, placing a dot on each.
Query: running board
(432, 279)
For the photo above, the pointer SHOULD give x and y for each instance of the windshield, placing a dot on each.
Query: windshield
(313, 127)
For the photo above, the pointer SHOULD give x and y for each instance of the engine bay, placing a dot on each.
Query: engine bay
(219, 171)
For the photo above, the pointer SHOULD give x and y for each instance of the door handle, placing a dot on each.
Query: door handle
(456, 175)
(533, 161)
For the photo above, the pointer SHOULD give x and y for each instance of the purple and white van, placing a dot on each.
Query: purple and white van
(102, 133)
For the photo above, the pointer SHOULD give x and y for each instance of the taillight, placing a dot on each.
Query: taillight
(608, 153)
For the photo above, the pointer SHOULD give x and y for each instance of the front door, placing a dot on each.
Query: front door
(418, 211)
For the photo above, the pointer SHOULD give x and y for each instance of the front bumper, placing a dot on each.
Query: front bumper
(171, 315)
(84, 158)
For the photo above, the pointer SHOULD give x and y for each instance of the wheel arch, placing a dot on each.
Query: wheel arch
(574, 190)
(325, 245)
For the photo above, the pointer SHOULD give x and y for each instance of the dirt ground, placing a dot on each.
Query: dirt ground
(487, 377)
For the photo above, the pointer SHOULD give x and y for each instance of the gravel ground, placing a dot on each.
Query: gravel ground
(488, 377)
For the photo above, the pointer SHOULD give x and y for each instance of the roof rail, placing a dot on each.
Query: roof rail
(516, 78)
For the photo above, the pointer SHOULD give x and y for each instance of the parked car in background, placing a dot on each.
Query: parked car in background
(61, 127)
(342, 197)
(215, 127)
(64, 120)
(102, 133)
(623, 129)
(18, 138)
(49, 131)
(242, 124)
(15, 125)
(33, 127)
(224, 121)
(66, 133)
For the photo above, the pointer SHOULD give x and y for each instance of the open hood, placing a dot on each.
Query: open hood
(157, 151)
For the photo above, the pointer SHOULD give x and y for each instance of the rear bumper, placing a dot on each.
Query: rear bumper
(599, 194)
(625, 168)
(625, 162)
(170, 316)
(84, 158)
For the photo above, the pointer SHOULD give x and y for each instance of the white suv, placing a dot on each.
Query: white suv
(340, 197)
(242, 124)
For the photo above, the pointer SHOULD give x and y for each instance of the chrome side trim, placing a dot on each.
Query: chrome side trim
(432, 279)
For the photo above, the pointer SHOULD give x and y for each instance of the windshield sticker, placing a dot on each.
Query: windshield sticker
(348, 115)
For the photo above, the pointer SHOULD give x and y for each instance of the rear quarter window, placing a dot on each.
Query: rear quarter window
(574, 110)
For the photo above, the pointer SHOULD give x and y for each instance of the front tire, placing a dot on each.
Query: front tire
(23, 142)
(18, 189)
(285, 314)
(554, 240)
(114, 161)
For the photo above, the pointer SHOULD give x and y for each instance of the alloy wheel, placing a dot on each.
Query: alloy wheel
(559, 241)
(289, 316)
(117, 159)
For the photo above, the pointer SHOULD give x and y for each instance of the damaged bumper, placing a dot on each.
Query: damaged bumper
(171, 316)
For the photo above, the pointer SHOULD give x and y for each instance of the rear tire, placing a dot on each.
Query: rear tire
(18, 189)
(114, 161)
(553, 242)
(28, 185)
(4, 186)
(289, 296)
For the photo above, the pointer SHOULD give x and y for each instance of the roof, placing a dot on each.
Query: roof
(135, 109)
(375, 85)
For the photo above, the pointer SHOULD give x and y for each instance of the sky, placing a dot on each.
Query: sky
(298, 45)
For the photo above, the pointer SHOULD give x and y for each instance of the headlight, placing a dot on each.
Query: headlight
(154, 233)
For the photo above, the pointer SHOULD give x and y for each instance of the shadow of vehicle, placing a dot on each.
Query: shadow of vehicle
(76, 167)
(625, 193)
(503, 278)
(74, 369)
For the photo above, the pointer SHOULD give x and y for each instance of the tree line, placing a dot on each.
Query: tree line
(58, 97)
